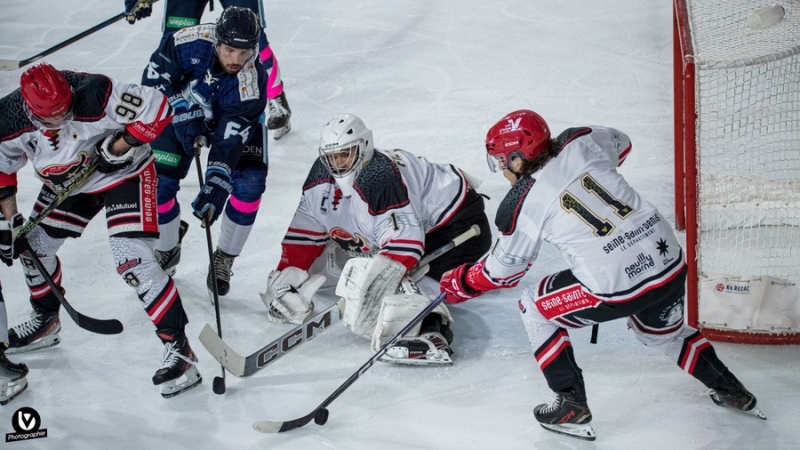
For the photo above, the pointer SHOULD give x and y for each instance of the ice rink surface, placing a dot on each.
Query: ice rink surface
(429, 77)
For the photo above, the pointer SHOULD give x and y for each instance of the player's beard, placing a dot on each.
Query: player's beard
(232, 69)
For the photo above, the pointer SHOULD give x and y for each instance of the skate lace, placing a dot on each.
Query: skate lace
(223, 267)
(163, 257)
(171, 356)
(554, 405)
(276, 107)
(30, 327)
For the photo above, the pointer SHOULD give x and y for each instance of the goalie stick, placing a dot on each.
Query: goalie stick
(320, 413)
(246, 366)
(99, 326)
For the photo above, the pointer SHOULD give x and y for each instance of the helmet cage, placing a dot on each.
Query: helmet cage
(342, 160)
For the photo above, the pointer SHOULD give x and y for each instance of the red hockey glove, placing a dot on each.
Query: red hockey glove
(455, 288)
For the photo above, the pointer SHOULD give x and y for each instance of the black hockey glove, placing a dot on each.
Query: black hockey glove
(106, 161)
(11, 245)
(213, 195)
(137, 10)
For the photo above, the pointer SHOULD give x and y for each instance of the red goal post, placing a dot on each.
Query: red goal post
(737, 168)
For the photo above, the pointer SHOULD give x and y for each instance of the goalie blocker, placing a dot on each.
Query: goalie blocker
(378, 300)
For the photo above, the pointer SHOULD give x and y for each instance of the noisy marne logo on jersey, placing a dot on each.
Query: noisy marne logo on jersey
(27, 425)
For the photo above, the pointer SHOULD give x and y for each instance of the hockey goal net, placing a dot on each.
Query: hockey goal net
(737, 168)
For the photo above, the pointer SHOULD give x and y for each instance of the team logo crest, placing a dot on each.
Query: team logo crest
(351, 243)
(60, 176)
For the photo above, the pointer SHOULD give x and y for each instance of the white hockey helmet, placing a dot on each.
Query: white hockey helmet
(345, 146)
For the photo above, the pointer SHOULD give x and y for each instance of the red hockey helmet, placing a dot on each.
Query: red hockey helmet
(47, 95)
(522, 134)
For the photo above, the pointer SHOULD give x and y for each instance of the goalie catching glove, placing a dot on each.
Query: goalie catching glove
(288, 295)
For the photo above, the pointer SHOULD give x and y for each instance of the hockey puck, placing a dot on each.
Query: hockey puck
(219, 385)
(321, 416)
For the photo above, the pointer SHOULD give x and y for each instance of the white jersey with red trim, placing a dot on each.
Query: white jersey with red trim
(615, 242)
(101, 106)
(399, 198)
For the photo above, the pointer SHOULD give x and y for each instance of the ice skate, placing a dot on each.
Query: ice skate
(178, 371)
(430, 348)
(13, 379)
(223, 263)
(279, 115)
(41, 331)
(729, 391)
(169, 259)
(568, 414)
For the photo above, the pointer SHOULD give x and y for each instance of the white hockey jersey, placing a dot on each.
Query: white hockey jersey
(615, 242)
(398, 199)
(101, 106)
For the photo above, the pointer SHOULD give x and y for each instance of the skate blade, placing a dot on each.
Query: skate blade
(190, 379)
(282, 131)
(581, 431)
(45, 342)
(10, 391)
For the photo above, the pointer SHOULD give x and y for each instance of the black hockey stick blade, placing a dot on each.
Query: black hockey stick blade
(99, 326)
(320, 413)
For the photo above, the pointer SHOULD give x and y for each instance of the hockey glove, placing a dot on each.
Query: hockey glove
(10, 245)
(288, 295)
(107, 162)
(137, 10)
(188, 123)
(455, 286)
(213, 195)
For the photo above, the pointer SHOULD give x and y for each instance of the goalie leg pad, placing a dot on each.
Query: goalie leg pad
(397, 311)
(363, 284)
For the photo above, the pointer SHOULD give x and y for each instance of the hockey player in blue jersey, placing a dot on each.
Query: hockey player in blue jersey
(214, 79)
(179, 14)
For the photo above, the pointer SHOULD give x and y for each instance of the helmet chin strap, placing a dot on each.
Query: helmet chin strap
(511, 176)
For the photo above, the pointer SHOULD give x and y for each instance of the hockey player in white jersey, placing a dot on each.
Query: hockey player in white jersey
(624, 258)
(385, 209)
(63, 122)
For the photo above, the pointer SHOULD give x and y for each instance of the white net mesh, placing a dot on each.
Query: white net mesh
(748, 141)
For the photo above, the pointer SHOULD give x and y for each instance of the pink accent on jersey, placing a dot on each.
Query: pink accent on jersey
(245, 207)
(166, 207)
(274, 83)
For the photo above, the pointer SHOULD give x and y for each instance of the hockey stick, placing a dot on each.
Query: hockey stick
(245, 367)
(199, 143)
(320, 413)
(99, 326)
(9, 64)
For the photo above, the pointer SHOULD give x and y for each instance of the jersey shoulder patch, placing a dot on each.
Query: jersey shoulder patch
(510, 207)
(317, 175)
(570, 134)
(92, 92)
(13, 121)
(381, 186)
(206, 32)
(248, 82)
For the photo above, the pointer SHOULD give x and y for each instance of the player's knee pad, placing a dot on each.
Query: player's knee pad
(398, 310)
(138, 267)
(46, 247)
(669, 343)
(536, 325)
